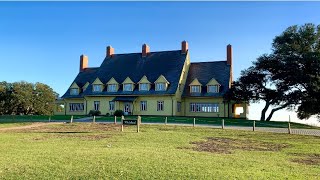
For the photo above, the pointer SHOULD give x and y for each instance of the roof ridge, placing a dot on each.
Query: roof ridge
(208, 62)
(149, 52)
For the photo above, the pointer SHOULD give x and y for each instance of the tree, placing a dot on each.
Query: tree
(26, 98)
(288, 77)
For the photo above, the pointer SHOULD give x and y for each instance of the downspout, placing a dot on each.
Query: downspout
(224, 109)
(171, 106)
(86, 112)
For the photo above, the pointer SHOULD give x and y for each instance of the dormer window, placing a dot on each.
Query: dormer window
(127, 87)
(160, 87)
(144, 87)
(97, 88)
(213, 88)
(112, 87)
(74, 91)
(195, 89)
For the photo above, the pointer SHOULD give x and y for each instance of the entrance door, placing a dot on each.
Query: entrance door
(127, 109)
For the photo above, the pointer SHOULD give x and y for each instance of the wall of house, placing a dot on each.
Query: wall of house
(169, 107)
(67, 108)
(104, 104)
(188, 100)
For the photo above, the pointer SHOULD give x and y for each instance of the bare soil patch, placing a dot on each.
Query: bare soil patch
(308, 159)
(227, 145)
(32, 126)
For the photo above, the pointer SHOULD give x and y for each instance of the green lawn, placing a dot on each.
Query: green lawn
(98, 151)
(35, 118)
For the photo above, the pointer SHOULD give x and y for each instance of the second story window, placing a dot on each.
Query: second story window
(112, 88)
(74, 91)
(195, 89)
(160, 87)
(213, 88)
(97, 88)
(144, 87)
(127, 87)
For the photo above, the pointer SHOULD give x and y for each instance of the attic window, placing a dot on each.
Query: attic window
(97, 88)
(195, 89)
(74, 91)
(112, 87)
(127, 87)
(213, 88)
(160, 86)
(144, 87)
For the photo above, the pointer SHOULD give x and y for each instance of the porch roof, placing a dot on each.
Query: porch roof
(125, 98)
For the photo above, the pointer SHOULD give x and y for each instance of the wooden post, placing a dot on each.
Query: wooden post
(194, 122)
(115, 119)
(222, 123)
(49, 118)
(138, 123)
(254, 125)
(166, 121)
(94, 119)
(71, 120)
(289, 127)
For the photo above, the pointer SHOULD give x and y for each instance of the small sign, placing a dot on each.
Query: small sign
(130, 122)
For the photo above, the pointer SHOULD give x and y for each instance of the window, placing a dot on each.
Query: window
(204, 107)
(112, 88)
(144, 87)
(160, 86)
(143, 105)
(160, 106)
(195, 89)
(73, 107)
(127, 87)
(111, 105)
(74, 91)
(213, 88)
(97, 88)
(96, 105)
(178, 106)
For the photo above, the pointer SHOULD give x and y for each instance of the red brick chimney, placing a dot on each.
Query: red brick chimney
(145, 50)
(110, 51)
(83, 62)
(229, 55)
(184, 47)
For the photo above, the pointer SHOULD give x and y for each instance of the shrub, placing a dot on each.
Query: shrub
(108, 114)
(94, 113)
(118, 113)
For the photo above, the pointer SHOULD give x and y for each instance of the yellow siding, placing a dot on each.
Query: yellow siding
(104, 104)
(144, 79)
(85, 86)
(195, 82)
(74, 85)
(152, 105)
(189, 100)
(161, 79)
(68, 101)
(213, 82)
(97, 81)
(127, 81)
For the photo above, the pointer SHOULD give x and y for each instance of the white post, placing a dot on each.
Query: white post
(138, 123)
(194, 122)
(166, 121)
(222, 123)
(71, 120)
(94, 119)
(115, 119)
(289, 127)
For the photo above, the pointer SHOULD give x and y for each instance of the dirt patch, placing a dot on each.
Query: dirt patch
(69, 128)
(32, 126)
(308, 159)
(227, 145)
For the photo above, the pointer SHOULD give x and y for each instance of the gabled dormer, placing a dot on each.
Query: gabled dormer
(127, 85)
(213, 86)
(112, 85)
(144, 84)
(161, 84)
(85, 86)
(195, 86)
(97, 85)
(74, 89)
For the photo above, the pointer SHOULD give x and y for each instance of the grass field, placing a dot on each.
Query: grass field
(101, 151)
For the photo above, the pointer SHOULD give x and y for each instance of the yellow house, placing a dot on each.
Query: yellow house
(162, 83)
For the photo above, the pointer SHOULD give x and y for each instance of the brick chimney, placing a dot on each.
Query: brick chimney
(184, 47)
(83, 62)
(145, 50)
(110, 51)
(229, 55)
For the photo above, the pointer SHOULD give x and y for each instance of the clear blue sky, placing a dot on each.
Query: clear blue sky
(42, 41)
